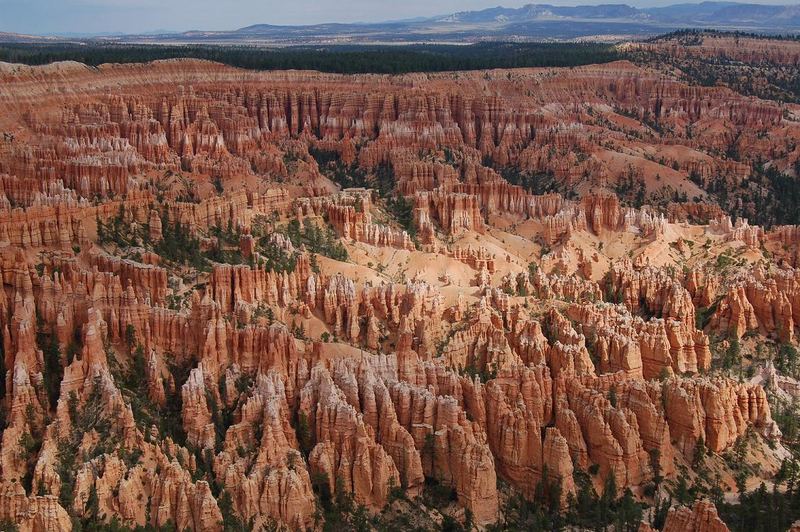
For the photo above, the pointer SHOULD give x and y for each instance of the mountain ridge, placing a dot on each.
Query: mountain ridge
(531, 22)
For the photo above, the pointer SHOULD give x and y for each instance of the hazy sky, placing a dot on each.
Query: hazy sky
(109, 16)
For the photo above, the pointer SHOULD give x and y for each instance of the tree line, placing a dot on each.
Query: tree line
(343, 59)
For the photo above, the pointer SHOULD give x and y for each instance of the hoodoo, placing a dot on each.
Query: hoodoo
(523, 299)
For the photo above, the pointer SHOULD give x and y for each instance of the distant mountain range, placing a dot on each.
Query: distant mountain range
(528, 23)
(22, 38)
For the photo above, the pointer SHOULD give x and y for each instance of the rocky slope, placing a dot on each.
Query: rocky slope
(262, 299)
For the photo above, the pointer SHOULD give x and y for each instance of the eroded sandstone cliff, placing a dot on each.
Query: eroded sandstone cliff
(234, 296)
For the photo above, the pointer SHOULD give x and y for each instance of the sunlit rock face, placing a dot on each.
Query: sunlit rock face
(232, 295)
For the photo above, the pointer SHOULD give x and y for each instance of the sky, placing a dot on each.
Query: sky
(45, 17)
